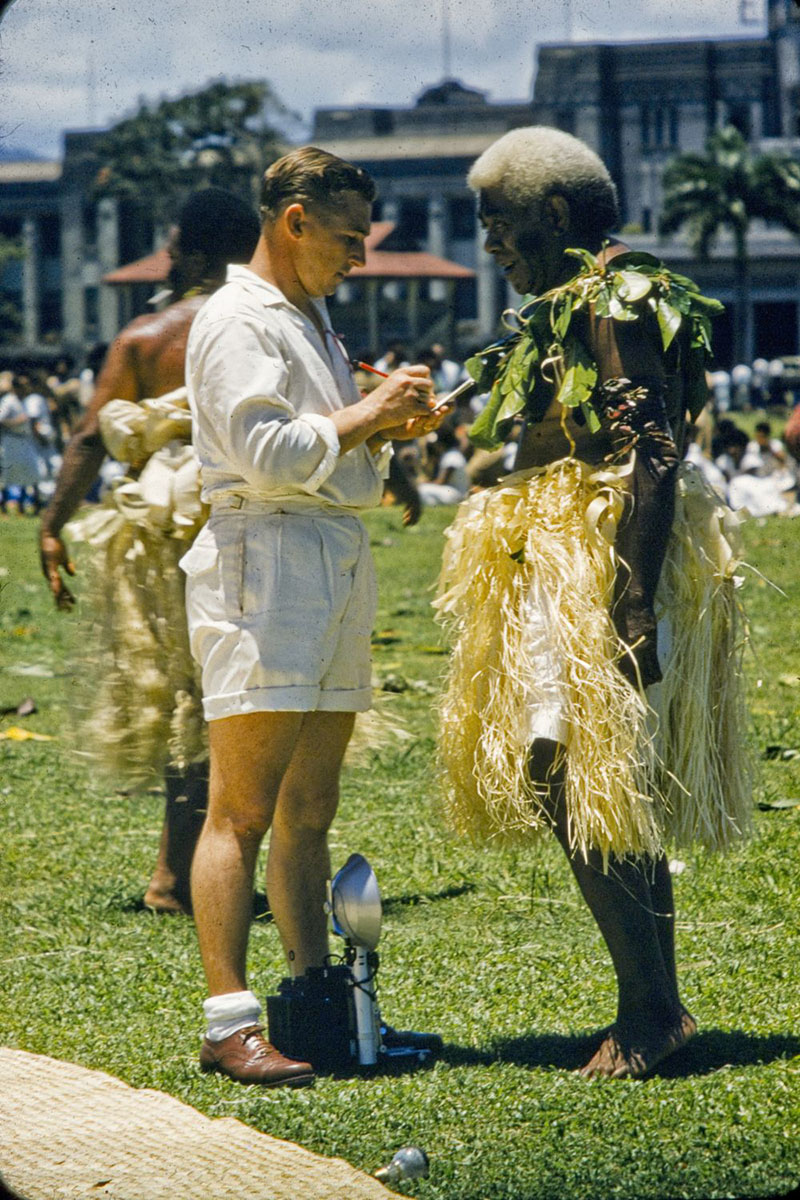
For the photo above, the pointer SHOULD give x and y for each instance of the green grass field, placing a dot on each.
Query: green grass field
(492, 949)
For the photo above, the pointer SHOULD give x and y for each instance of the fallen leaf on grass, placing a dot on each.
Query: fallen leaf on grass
(23, 709)
(37, 669)
(15, 734)
(783, 802)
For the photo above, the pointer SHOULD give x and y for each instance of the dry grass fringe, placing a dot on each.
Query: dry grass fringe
(553, 530)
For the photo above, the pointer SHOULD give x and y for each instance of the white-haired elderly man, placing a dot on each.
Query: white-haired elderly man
(553, 581)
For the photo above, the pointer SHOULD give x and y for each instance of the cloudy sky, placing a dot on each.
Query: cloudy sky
(84, 63)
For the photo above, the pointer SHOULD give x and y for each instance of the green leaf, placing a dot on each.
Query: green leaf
(602, 302)
(637, 258)
(589, 260)
(491, 425)
(512, 371)
(580, 376)
(669, 321)
(592, 419)
(713, 306)
(560, 324)
(620, 311)
(632, 285)
(477, 367)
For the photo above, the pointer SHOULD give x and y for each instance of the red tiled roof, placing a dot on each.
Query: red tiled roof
(153, 268)
(380, 264)
(403, 264)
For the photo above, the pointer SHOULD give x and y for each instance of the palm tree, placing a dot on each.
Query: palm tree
(728, 187)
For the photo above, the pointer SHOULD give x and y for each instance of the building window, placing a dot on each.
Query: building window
(382, 120)
(50, 235)
(462, 216)
(738, 115)
(565, 120)
(91, 300)
(50, 314)
(11, 227)
(414, 220)
(659, 124)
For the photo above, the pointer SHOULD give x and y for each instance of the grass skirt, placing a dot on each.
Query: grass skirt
(633, 781)
(142, 706)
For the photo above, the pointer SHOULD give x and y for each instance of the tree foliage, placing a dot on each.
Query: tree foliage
(10, 316)
(223, 135)
(728, 188)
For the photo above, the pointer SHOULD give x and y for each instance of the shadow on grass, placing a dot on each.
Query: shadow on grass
(709, 1051)
(712, 1049)
(409, 899)
(261, 909)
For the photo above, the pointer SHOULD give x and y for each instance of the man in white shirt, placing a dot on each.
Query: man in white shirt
(280, 584)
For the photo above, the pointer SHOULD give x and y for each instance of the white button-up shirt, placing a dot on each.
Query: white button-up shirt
(262, 383)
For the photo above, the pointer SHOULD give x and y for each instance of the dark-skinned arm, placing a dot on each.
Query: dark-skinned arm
(405, 491)
(83, 458)
(631, 406)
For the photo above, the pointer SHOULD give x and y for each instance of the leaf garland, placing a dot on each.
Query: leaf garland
(546, 343)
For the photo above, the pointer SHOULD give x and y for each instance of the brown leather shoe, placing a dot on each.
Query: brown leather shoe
(249, 1058)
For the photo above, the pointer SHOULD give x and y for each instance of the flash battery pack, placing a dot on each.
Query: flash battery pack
(313, 1018)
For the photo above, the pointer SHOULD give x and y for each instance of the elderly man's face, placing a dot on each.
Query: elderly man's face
(524, 244)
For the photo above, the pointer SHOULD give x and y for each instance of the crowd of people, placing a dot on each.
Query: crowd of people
(40, 408)
(238, 610)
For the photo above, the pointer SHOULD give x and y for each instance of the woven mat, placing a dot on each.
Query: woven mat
(67, 1133)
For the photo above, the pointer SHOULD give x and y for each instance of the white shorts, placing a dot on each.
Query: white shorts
(281, 609)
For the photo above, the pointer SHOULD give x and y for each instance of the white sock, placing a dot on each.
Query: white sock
(225, 1014)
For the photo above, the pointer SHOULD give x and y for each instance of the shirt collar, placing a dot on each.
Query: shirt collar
(266, 292)
(271, 296)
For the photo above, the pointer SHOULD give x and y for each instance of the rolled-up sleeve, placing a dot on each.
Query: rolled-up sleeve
(240, 380)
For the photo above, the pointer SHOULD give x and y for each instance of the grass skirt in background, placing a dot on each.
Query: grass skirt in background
(142, 707)
(634, 781)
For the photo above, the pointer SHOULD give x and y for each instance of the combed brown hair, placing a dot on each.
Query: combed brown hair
(311, 177)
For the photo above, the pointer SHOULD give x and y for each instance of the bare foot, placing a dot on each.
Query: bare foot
(630, 1056)
(166, 901)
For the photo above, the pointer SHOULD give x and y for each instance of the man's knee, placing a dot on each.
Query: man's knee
(248, 820)
(301, 815)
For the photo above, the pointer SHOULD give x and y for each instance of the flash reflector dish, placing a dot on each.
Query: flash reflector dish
(356, 903)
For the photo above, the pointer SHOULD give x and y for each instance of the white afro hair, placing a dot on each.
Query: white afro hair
(526, 164)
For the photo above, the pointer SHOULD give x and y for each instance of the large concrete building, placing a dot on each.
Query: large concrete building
(638, 104)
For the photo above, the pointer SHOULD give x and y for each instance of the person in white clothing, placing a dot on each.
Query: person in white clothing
(451, 483)
(20, 469)
(280, 584)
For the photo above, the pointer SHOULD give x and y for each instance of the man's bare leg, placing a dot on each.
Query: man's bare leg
(651, 1022)
(249, 756)
(169, 890)
(298, 865)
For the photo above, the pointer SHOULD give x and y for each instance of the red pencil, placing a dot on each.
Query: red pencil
(372, 370)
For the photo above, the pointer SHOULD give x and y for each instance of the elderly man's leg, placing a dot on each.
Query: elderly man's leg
(298, 865)
(651, 1022)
